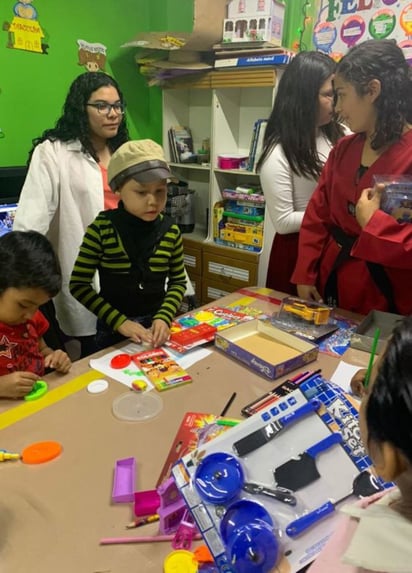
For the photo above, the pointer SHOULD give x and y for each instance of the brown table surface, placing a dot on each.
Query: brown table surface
(53, 515)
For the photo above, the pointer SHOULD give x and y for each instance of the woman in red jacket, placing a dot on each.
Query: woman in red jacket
(351, 253)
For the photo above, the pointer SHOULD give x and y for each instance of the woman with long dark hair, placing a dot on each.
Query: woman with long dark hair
(300, 133)
(66, 185)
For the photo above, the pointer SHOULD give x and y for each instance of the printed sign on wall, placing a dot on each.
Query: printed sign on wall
(25, 32)
(92, 56)
(340, 24)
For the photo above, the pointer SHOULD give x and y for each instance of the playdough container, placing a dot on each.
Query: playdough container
(232, 161)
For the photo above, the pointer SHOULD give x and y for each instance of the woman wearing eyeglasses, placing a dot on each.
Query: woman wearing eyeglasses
(66, 184)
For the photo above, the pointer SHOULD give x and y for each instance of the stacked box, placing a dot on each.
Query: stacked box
(238, 223)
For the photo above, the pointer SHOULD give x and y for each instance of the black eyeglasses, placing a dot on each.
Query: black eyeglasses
(104, 108)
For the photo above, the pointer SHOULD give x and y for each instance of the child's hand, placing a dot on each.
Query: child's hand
(58, 360)
(135, 331)
(357, 383)
(160, 331)
(17, 384)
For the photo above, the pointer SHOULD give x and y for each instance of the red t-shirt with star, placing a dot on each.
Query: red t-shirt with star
(20, 348)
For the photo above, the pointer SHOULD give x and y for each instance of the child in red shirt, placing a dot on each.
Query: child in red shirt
(29, 276)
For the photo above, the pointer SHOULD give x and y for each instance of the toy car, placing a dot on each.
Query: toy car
(306, 311)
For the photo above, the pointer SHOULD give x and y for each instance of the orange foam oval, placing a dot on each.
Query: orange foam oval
(41, 452)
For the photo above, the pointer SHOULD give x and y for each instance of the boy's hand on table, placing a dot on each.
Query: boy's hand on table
(309, 292)
(357, 383)
(17, 384)
(59, 360)
(135, 331)
(160, 332)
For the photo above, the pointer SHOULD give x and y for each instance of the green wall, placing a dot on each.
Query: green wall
(33, 86)
(294, 22)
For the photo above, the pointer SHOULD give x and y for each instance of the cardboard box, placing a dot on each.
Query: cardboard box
(266, 349)
(207, 30)
(362, 338)
(254, 21)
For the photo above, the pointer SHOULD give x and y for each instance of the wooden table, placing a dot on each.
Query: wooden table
(53, 515)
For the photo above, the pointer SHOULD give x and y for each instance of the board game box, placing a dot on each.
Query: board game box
(200, 326)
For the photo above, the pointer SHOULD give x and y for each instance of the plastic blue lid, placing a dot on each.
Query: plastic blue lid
(219, 478)
(243, 512)
(253, 548)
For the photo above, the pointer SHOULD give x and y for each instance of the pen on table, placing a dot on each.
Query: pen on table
(142, 539)
(229, 403)
(372, 356)
(143, 521)
(5, 456)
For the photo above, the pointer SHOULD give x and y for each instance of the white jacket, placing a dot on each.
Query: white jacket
(62, 194)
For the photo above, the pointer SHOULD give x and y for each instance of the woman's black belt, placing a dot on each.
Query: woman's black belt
(377, 272)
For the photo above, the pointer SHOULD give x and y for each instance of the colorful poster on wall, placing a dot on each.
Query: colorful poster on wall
(25, 32)
(92, 55)
(340, 24)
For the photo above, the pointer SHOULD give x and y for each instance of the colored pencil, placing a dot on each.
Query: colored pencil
(143, 521)
(264, 397)
(371, 358)
(227, 422)
(267, 398)
(229, 403)
(297, 379)
(310, 376)
(142, 539)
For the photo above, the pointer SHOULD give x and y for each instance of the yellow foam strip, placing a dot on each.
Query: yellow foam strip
(245, 301)
(28, 408)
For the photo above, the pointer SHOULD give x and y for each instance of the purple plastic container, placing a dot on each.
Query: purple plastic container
(124, 480)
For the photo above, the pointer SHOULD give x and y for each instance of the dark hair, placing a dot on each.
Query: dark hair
(293, 120)
(382, 60)
(74, 122)
(389, 405)
(27, 260)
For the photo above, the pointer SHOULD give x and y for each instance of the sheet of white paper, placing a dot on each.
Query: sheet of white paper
(127, 375)
(343, 374)
(186, 360)
(124, 375)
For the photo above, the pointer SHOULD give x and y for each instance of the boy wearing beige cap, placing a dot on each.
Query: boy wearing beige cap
(134, 248)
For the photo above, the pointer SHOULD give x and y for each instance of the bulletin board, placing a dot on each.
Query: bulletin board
(339, 25)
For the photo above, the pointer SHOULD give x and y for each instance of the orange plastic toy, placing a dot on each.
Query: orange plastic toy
(41, 452)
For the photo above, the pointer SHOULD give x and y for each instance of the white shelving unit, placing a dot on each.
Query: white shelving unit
(222, 108)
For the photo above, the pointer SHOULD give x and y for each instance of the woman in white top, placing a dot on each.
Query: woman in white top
(66, 185)
(300, 133)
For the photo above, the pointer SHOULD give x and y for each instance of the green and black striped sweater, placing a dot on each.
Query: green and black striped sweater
(132, 270)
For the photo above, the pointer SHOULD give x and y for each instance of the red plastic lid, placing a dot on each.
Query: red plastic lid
(41, 452)
(120, 361)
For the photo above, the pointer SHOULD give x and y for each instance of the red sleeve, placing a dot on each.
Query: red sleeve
(40, 323)
(314, 230)
(385, 241)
